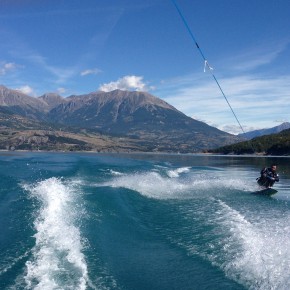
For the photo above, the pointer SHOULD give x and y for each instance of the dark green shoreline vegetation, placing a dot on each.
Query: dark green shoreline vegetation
(274, 144)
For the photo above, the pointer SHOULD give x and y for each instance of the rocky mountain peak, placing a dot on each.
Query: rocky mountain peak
(132, 99)
(19, 102)
(52, 99)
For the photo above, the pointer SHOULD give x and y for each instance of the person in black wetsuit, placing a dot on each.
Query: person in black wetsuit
(268, 176)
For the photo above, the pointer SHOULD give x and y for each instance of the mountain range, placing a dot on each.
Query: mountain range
(119, 120)
(268, 131)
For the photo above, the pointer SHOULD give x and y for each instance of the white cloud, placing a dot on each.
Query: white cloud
(256, 98)
(61, 90)
(126, 83)
(6, 67)
(61, 74)
(257, 56)
(90, 72)
(26, 90)
(235, 129)
(257, 101)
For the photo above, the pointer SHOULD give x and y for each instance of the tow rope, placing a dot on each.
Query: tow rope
(206, 64)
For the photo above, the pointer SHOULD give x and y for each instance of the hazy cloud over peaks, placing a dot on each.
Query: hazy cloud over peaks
(61, 90)
(26, 90)
(125, 83)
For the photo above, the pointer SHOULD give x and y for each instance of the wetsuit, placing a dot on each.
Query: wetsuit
(268, 177)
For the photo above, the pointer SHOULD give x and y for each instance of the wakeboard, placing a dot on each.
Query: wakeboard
(266, 191)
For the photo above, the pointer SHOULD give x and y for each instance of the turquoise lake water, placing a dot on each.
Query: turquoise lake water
(141, 221)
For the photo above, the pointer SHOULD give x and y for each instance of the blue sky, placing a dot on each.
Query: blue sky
(76, 47)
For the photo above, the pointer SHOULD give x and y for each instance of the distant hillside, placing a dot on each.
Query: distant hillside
(52, 140)
(20, 133)
(144, 120)
(262, 132)
(274, 144)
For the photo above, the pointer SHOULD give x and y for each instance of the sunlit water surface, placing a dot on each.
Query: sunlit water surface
(132, 221)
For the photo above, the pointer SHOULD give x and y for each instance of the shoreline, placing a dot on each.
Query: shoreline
(142, 153)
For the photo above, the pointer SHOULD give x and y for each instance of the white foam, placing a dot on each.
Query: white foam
(114, 172)
(171, 185)
(256, 255)
(151, 184)
(177, 172)
(58, 261)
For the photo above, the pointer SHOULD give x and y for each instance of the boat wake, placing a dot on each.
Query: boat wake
(250, 249)
(256, 253)
(180, 183)
(57, 260)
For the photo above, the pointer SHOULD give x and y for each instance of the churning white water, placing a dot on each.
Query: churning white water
(57, 260)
